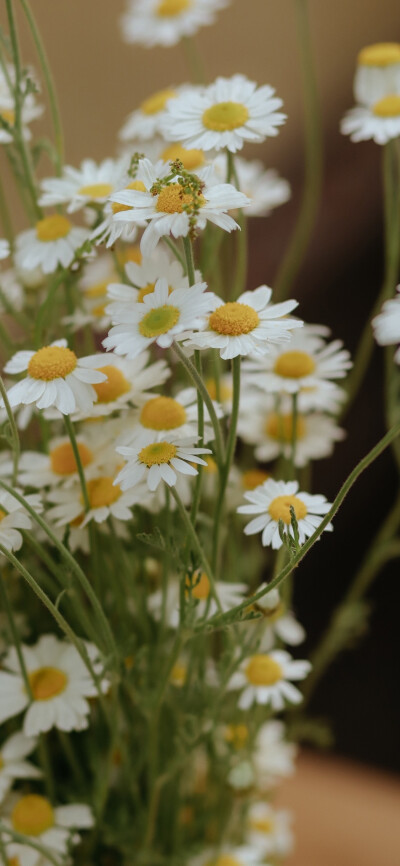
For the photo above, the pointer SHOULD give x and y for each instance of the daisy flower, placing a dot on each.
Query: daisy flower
(92, 183)
(378, 72)
(39, 470)
(228, 113)
(60, 685)
(13, 517)
(272, 501)
(4, 248)
(162, 318)
(308, 362)
(11, 292)
(165, 22)
(247, 326)
(143, 276)
(177, 415)
(199, 590)
(53, 242)
(52, 827)
(144, 123)
(386, 325)
(269, 830)
(128, 381)
(12, 761)
(266, 679)
(169, 206)
(56, 377)
(29, 111)
(265, 189)
(157, 461)
(379, 122)
(278, 622)
(273, 756)
(230, 856)
(106, 499)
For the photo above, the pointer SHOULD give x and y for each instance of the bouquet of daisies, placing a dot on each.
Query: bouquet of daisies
(159, 416)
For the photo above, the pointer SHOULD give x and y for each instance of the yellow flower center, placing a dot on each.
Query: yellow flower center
(115, 385)
(211, 467)
(62, 458)
(224, 860)
(96, 190)
(237, 735)
(99, 311)
(225, 391)
(262, 670)
(32, 815)
(178, 674)
(272, 615)
(389, 106)
(139, 186)
(157, 102)
(279, 508)
(102, 491)
(8, 115)
(157, 453)
(46, 683)
(98, 290)
(130, 254)
(233, 319)
(281, 427)
(3, 514)
(171, 8)
(190, 159)
(262, 825)
(294, 365)
(158, 321)
(52, 362)
(252, 478)
(162, 413)
(380, 54)
(52, 228)
(225, 116)
(173, 199)
(13, 861)
(200, 589)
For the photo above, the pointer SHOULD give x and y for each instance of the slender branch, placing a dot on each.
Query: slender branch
(198, 382)
(197, 546)
(16, 449)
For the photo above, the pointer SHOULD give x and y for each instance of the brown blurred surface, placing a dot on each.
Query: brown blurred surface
(345, 815)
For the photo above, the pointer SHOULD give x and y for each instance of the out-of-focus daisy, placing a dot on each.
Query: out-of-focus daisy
(269, 830)
(60, 685)
(301, 367)
(91, 183)
(173, 206)
(226, 114)
(278, 622)
(265, 189)
(272, 502)
(106, 499)
(387, 324)
(108, 231)
(162, 318)
(222, 391)
(11, 292)
(230, 856)
(58, 466)
(13, 517)
(247, 326)
(4, 248)
(379, 122)
(199, 590)
(52, 827)
(145, 122)
(192, 159)
(273, 756)
(177, 415)
(378, 72)
(56, 377)
(30, 110)
(127, 382)
(53, 242)
(165, 22)
(266, 679)
(12, 761)
(143, 277)
(157, 461)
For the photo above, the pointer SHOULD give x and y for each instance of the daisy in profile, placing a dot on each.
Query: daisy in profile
(278, 623)
(106, 499)
(145, 122)
(199, 591)
(266, 679)
(58, 466)
(56, 377)
(91, 183)
(174, 206)
(53, 827)
(13, 517)
(177, 415)
(228, 113)
(265, 189)
(13, 765)
(165, 22)
(11, 292)
(53, 242)
(30, 110)
(59, 682)
(379, 122)
(162, 318)
(378, 72)
(386, 325)
(269, 830)
(271, 502)
(156, 461)
(273, 756)
(230, 856)
(247, 326)
(4, 248)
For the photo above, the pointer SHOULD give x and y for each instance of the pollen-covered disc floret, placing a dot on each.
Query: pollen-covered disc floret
(165, 22)
(158, 459)
(272, 503)
(266, 679)
(175, 205)
(45, 825)
(250, 325)
(386, 325)
(379, 122)
(91, 183)
(53, 242)
(228, 113)
(60, 685)
(162, 318)
(377, 73)
(55, 377)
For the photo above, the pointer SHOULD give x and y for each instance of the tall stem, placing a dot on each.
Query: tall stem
(199, 384)
(197, 546)
(230, 450)
(14, 431)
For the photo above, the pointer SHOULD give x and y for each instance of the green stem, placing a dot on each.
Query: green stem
(194, 60)
(6, 217)
(230, 450)
(15, 445)
(294, 435)
(196, 545)
(5, 601)
(74, 445)
(198, 382)
(313, 160)
(47, 853)
(175, 251)
(187, 245)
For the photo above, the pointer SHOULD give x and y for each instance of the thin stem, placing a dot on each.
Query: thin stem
(294, 435)
(175, 251)
(194, 60)
(230, 450)
(5, 601)
(187, 245)
(27, 840)
(6, 217)
(15, 445)
(74, 445)
(197, 546)
(198, 382)
(313, 159)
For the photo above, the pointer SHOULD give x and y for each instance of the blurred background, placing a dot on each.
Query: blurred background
(100, 80)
